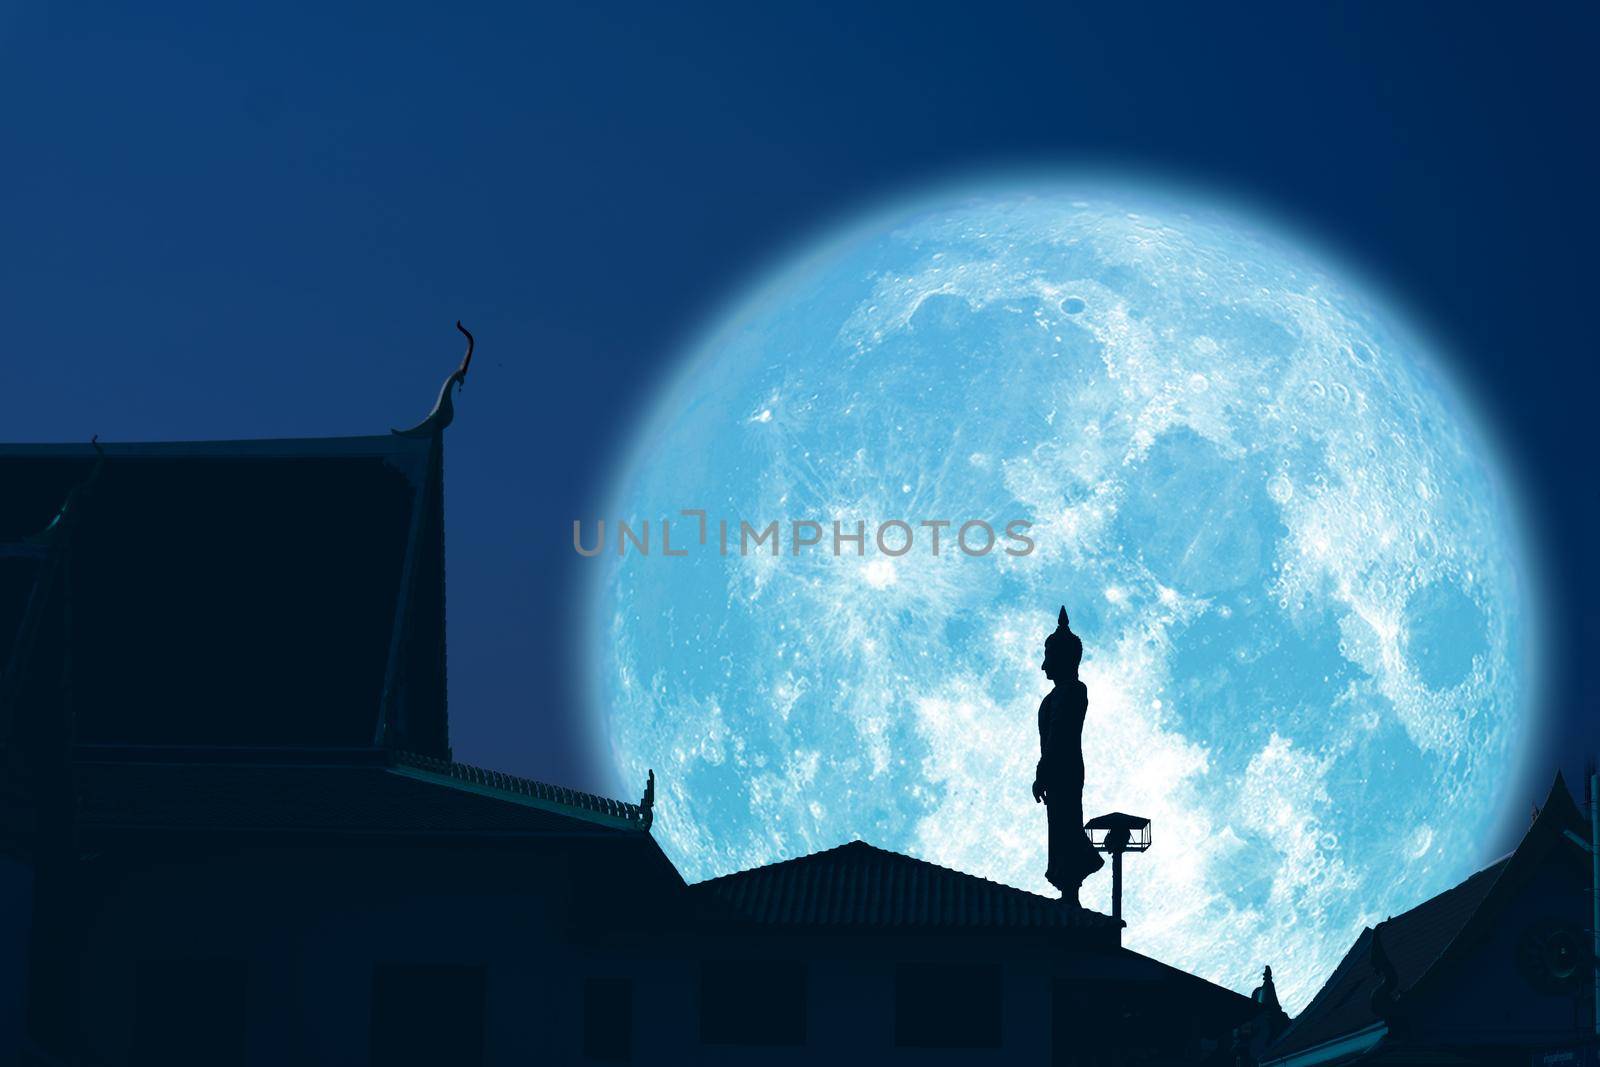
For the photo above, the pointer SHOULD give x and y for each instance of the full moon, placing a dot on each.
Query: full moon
(1276, 526)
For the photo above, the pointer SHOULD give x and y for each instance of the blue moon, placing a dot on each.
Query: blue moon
(1279, 528)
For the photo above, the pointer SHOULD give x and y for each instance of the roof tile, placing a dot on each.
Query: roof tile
(1413, 941)
(858, 884)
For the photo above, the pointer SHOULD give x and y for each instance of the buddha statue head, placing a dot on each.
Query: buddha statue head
(1063, 651)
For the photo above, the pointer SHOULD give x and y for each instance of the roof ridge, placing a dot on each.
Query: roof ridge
(858, 844)
(775, 864)
(1311, 1015)
(856, 882)
(204, 446)
(1355, 958)
(1479, 873)
(522, 787)
(1492, 873)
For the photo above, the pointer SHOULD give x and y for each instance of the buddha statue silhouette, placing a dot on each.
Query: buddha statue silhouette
(1058, 782)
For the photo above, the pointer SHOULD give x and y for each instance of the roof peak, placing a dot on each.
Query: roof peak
(1559, 801)
(859, 847)
(857, 883)
(855, 845)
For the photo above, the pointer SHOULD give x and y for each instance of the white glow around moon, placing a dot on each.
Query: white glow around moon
(1273, 523)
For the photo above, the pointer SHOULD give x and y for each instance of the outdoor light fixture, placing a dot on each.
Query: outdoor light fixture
(1117, 833)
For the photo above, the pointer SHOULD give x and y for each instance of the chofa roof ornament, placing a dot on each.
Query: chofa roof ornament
(444, 409)
(68, 512)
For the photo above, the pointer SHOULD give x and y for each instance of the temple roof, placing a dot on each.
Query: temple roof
(860, 885)
(1423, 943)
(350, 792)
(1413, 940)
(243, 592)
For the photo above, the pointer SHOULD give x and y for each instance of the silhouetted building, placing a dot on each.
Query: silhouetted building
(228, 744)
(233, 818)
(1498, 970)
(887, 954)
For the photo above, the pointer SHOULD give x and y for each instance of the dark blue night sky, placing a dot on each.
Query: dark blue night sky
(263, 223)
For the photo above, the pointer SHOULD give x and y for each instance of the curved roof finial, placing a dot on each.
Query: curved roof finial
(647, 803)
(444, 409)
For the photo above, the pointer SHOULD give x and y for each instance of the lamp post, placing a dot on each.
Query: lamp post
(1117, 833)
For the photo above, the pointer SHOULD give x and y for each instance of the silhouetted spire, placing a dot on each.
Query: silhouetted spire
(1272, 1020)
(1266, 994)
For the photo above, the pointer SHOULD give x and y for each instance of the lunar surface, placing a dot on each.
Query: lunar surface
(1273, 522)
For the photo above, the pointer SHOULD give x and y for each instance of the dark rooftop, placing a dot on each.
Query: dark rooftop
(352, 792)
(239, 593)
(1413, 941)
(1420, 943)
(859, 885)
